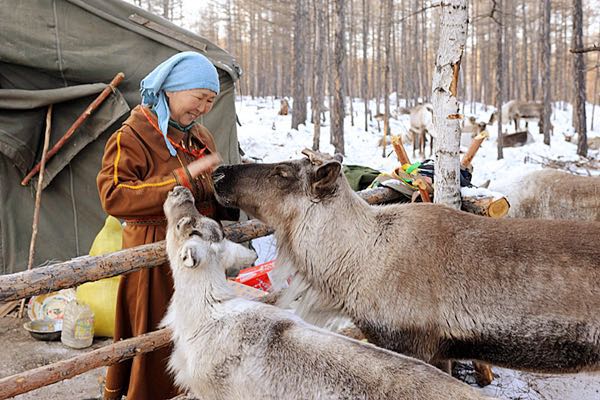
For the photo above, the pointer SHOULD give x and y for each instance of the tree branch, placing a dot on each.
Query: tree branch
(594, 47)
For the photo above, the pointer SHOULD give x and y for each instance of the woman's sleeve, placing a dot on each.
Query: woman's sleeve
(123, 190)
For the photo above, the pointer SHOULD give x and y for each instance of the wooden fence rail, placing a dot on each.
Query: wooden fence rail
(65, 369)
(91, 268)
(88, 268)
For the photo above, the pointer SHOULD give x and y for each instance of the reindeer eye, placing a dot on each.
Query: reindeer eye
(283, 172)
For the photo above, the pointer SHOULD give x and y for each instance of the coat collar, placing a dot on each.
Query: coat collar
(154, 139)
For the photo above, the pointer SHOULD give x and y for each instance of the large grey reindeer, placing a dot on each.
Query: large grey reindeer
(231, 348)
(426, 280)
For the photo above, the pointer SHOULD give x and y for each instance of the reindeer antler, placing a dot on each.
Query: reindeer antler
(315, 157)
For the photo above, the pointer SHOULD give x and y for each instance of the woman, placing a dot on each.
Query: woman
(158, 147)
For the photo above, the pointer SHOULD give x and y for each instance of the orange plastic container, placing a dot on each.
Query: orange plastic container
(257, 276)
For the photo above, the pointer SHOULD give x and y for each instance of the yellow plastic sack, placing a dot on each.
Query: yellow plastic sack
(101, 295)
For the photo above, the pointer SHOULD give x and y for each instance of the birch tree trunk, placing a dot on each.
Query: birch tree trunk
(453, 37)
(578, 69)
(299, 94)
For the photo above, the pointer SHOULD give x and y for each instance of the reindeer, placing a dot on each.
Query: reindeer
(421, 125)
(470, 129)
(425, 280)
(231, 348)
(515, 110)
(553, 194)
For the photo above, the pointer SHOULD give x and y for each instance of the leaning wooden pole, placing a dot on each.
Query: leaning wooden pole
(122, 350)
(88, 111)
(38, 198)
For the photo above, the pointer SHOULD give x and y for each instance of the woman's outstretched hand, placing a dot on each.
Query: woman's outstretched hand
(205, 164)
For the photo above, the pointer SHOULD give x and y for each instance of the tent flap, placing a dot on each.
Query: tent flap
(21, 131)
(19, 99)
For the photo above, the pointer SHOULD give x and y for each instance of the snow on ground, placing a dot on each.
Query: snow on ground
(268, 137)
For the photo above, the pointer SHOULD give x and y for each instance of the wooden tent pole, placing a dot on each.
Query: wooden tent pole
(111, 354)
(78, 122)
(38, 199)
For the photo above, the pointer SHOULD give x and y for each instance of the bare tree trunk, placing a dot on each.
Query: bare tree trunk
(365, 71)
(578, 69)
(546, 81)
(595, 93)
(299, 108)
(388, 12)
(525, 50)
(339, 53)
(453, 38)
(350, 66)
(319, 72)
(499, 15)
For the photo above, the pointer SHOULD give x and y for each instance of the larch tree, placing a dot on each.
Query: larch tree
(579, 70)
(339, 54)
(387, 27)
(546, 81)
(299, 92)
(365, 62)
(497, 15)
(319, 87)
(446, 118)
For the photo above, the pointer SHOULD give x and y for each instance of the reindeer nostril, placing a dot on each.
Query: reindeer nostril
(217, 176)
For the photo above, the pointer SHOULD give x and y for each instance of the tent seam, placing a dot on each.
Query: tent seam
(58, 49)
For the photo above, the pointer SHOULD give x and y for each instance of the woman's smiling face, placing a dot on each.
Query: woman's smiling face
(187, 105)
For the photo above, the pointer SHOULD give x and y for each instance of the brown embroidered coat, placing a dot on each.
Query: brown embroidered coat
(137, 174)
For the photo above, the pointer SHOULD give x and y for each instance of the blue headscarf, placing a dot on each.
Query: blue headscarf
(183, 71)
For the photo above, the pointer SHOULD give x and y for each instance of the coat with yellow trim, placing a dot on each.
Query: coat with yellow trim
(137, 174)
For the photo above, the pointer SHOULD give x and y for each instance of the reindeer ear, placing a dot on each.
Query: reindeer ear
(189, 255)
(183, 223)
(326, 176)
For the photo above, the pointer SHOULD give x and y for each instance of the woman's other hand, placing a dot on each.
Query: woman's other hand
(205, 164)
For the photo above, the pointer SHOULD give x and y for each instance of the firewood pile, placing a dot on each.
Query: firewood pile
(415, 182)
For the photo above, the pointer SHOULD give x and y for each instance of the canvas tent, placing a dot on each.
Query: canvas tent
(64, 52)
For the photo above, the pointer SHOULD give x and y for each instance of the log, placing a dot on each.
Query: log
(65, 369)
(91, 268)
(473, 148)
(78, 270)
(514, 139)
(424, 189)
(486, 206)
(399, 150)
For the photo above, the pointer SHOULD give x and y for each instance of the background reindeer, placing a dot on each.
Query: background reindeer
(426, 280)
(231, 348)
(553, 194)
(515, 110)
(421, 126)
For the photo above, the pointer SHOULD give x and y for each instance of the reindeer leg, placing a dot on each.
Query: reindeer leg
(414, 141)
(430, 146)
(483, 373)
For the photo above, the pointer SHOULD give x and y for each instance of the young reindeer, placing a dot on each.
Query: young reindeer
(426, 280)
(231, 348)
